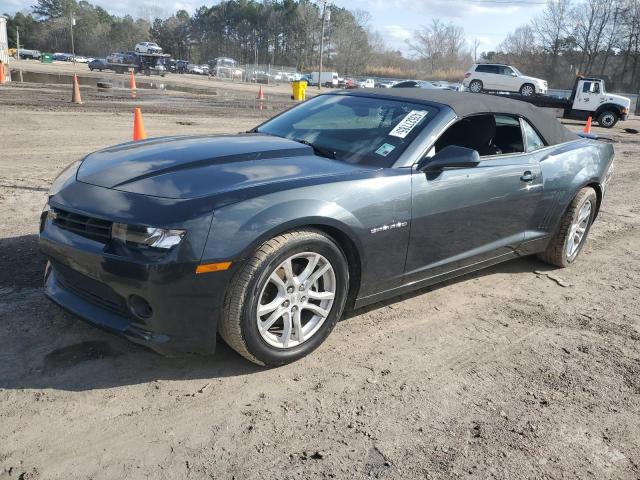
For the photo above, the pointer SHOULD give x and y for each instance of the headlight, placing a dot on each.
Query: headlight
(147, 236)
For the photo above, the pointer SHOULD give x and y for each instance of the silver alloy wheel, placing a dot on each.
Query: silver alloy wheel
(578, 229)
(607, 119)
(475, 86)
(296, 300)
(526, 91)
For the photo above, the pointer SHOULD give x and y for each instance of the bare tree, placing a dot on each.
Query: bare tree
(550, 28)
(441, 46)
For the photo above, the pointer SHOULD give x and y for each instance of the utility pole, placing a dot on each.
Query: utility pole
(475, 50)
(72, 22)
(17, 44)
(324, 14)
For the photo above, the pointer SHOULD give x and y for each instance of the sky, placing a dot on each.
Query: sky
(487, 21)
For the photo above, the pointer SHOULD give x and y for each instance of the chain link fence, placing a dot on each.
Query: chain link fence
(256, 73)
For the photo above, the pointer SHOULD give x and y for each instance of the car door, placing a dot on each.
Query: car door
(508, 79)
(465, 216)
(588, 97)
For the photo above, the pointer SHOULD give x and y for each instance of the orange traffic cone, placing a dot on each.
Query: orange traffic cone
(75, 98)
(138, 126)
(132, 85)
(2, 77)
(587, 126)
(260, 94)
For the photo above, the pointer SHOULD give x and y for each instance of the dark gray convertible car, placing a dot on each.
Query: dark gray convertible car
(344, 200)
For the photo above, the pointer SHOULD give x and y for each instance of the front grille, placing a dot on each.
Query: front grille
(90, 290)
(89, 227)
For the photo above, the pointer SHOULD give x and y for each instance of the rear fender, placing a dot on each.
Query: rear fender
(569, 169)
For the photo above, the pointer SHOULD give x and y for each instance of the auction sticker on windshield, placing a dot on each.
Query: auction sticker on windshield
(385, 149)
(408, 123)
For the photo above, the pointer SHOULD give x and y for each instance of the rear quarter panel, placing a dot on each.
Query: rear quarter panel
(566, 169)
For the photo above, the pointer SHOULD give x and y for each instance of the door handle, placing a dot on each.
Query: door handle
(527, 176)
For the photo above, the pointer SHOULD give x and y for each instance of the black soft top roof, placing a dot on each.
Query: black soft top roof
(465, 104)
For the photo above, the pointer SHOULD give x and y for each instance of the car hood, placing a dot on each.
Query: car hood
(198, 166)
(619, 99)
(532, 79)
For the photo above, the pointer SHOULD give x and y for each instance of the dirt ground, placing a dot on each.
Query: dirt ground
(518, 371)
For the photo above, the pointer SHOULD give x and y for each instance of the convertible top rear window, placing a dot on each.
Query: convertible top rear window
(359, 130)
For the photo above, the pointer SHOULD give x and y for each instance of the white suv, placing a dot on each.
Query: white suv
(502, 78)
(148, 47)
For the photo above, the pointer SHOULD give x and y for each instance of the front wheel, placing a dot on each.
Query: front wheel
(608, 119)
(475, 86)
(527, 90)
(567, 243)
(286, 299)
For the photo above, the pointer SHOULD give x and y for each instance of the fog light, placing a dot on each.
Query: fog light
(140, 307)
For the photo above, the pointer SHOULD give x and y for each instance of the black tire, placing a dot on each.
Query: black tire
(238, 324)
(527, 90)
(556, 252)
(608, 118)
(475, 86)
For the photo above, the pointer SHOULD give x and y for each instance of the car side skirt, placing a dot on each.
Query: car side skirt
(426, 282)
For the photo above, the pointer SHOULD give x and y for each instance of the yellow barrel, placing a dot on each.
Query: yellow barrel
(299, 89)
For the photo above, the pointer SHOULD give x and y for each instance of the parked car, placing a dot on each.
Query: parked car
(197, 69)
(133, 245)
(498, 77)
(349, 83)
(260, 76)
(62, 57)
(148, 47)
(416, 84)
(387, 84)
(29, 54)
(367, 83)
(177, 66)
(98, 64)
(80, 59)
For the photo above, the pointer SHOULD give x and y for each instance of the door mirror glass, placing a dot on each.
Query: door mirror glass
(450, 156)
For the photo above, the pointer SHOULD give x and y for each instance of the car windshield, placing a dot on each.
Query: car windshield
(358, 130)
(517, 71)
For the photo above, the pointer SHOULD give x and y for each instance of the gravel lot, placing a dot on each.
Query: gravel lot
(518, 371)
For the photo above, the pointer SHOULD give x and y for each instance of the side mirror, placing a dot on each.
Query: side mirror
(450, 156)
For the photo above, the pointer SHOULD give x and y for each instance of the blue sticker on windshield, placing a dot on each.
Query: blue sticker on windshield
(385, 149)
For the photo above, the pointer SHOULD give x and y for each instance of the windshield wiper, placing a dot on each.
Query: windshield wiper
(323, 152)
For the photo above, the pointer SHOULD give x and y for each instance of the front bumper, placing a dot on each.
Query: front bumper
(105, 284)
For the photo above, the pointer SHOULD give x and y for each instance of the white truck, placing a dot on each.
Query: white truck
(367, 83)
(588, 99)
(327, 79)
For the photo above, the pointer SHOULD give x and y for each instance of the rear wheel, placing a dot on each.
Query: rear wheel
(608, 118)
(475, 86)
(527, 90)
(567, 243)
(286, 299)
